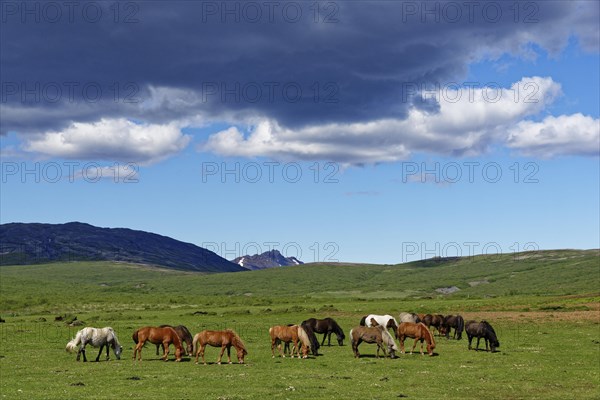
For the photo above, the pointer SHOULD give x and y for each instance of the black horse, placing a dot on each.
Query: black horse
(482, 330)
(185, 336)
(454, 321)
(327, 326)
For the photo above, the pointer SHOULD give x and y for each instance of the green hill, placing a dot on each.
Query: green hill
(556, 272)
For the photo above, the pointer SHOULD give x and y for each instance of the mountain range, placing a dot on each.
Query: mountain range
(34, 243)
(268, 259)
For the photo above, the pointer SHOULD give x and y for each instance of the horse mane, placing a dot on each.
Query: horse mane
(337, 328)
(237, 341)
(113, 337)
(314, 343)
(424, 328)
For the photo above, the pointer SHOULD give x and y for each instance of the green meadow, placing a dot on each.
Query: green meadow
(544, 307)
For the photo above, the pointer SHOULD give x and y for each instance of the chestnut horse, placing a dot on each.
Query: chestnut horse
(184, 336)
(223, 339)
(419, 332)
(286, 334)
(375, 334)
(156, 335)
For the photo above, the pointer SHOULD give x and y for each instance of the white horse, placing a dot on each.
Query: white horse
(409, 317)
(96, 337)
(386, 321)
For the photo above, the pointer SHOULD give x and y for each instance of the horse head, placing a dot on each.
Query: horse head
(340, 337)
(118, 349)
(241, 352)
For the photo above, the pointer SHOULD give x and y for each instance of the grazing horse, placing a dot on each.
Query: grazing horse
(156, 335)
(223, 339)
(409, 317)
(435, 320)
(97, 337)
(376, 334)
(327, 326)
(386, 321)
(419, 332)
(286, 334)
(482, 330)
(310, 334)
(184, 336)
(454, 321)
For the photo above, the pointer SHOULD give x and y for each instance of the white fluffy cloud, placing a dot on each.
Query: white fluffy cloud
(562, 135)
(111, 139)
(467, 122)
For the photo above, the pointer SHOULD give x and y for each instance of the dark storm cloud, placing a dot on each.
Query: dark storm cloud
(297, 63)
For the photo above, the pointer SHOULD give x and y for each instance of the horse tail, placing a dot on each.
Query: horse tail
(195, 343)
(363, 321)
(73, 343)
(460, 326)
(135, 336)
(314, 343)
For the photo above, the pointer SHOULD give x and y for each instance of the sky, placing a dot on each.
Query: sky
(354, 131)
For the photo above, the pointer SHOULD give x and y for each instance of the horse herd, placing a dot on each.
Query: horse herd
(374, 329)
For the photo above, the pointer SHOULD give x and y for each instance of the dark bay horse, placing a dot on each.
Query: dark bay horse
(454, 321)
(327, 326)
(482, 330)
(376, 334)
(435, 320)
(419, 332)
(156, 335)
(223, 339)
(184, 336)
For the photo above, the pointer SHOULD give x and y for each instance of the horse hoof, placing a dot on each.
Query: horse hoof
(229, 362)
(219, 363)
(196, 363)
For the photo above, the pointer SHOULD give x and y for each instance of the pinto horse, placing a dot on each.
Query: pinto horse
(97, 337)
(184, 336)
(454, 321)
(156, 335)
(306, 331)
(482, 330)
(223, 339)
(419, 332)
(386, 321)
(327, 326)
(375, 334)
(285, 334)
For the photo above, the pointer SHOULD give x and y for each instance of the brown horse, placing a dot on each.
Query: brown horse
(286, 334)
(223, 339)
(435, 320)
(419, 332)
(184, 336)
(156, 335)
(375, 334)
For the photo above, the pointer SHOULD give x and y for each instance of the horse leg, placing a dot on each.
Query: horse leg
(329, 338)
(422, 347)
(323, 341)
(486, 344)
(100, 352)
(470, 338)
(221, 354)
(414, 345)
(478, 339)
(401, 338)
(157, 347)
(138, 350)
(165, 345)
(107, 352)
(202, 348)
(229, 354)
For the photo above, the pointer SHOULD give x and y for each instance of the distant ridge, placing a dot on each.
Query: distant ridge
(268, 259)
(33, 243)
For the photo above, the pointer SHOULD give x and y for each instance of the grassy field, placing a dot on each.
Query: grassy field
(544, 306)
